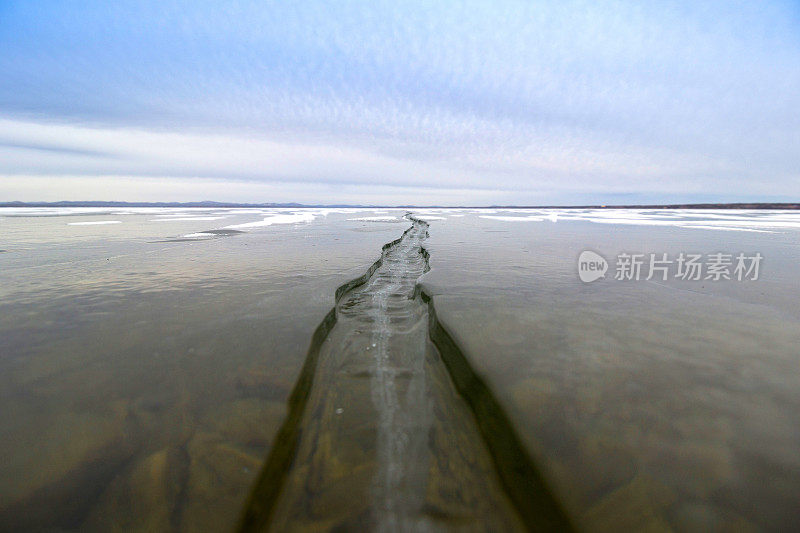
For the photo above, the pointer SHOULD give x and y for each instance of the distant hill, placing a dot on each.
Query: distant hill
(753, 205)
(82, 203)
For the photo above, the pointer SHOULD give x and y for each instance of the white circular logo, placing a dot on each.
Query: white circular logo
(591, 266)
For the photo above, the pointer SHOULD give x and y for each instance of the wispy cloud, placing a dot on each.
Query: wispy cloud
(516, 102)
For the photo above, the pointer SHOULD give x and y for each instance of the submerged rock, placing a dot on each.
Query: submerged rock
(145, 498)
(220, 476)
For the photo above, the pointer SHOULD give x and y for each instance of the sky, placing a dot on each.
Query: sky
(425, 103)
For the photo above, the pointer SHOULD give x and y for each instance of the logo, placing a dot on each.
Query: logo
(591, 266)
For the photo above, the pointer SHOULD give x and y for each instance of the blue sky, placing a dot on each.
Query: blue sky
(400, 102)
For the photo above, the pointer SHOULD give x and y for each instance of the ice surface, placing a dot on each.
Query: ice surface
(377, 219)
(94, 223)
(513, 219)
(185, 219)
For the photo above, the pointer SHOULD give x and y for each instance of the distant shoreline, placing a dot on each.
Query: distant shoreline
(208, 204)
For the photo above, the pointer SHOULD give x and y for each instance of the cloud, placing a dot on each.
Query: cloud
(542, 100)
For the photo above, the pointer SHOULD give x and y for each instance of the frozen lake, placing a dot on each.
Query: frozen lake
(148, 356)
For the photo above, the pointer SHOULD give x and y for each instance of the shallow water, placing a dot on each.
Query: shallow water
(146, 366)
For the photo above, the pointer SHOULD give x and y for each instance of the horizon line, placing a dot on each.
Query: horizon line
(212, 203)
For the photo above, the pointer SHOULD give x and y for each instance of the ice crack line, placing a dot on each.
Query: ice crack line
(383, 432)
(395, 434)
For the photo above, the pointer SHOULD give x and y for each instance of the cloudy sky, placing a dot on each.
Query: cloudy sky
(424, 102)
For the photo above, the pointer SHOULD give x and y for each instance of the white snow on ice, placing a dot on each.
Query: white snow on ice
(294, 218)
